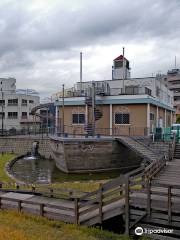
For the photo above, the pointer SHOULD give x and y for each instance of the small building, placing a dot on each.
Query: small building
(16, 105)
(126, 106)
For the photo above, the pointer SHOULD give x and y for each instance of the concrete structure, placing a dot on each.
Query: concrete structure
(16, 105)
(23, 145)
(120, 68)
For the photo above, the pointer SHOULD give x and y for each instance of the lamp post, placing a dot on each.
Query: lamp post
(63, 110)
(2, 108)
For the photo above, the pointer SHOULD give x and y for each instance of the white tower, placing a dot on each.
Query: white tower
(118, 71)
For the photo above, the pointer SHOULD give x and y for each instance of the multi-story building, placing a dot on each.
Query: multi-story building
(122, 105)
(16, 105)
(172, 80)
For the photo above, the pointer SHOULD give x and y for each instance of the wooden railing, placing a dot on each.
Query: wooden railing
(137, 181)
(62, 193)
(112, 198)
(169, 209)
(94, 202)
(52, 211)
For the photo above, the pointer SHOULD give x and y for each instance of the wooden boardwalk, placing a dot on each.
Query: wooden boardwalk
(148, 197)
(157, 205)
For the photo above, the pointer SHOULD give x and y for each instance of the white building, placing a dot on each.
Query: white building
(15, 106)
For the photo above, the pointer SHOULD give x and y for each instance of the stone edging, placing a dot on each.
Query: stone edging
(8, 171)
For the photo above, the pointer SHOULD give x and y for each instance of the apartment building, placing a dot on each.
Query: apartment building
(16, 105)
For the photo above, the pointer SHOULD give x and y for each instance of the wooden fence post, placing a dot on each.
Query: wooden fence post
(127, 205)
(41, 210)
(169, 205)
(76, 210)
(19, 206)
(100, 203)
(0, 202)
(51, 193)
(149, 197)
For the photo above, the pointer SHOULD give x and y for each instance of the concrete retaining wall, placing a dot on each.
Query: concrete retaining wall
(86, 155)
(21, 146)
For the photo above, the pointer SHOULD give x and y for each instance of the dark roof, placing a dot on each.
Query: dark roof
(120, 58)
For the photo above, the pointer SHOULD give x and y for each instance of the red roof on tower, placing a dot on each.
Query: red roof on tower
(120, 58)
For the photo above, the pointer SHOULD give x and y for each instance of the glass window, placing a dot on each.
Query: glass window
(122, 118)
(13, 102)
(24, 114)
(152, 116)
(12, 114)
(2, 115)
(78, 118)
(2, 102)
(24, 102)
(31, 101)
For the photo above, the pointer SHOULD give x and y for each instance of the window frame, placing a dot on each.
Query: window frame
(12, 117)
(122, 114)
(152, 114)
(78, 119)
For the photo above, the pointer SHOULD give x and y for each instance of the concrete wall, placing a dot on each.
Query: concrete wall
(137, 125)
(21, 146)
(87, 155)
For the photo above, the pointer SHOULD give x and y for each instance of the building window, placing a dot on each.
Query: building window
(24, 114)
(2, 102)
(31, 101)
(12, 115)
(78, 118)
(118, 64)
(148, 91)
(2, 115)
(24, 102)
(122, 118)
(151, 116)
(12, 102)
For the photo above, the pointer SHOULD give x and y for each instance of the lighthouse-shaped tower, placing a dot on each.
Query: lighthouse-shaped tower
(119, 70)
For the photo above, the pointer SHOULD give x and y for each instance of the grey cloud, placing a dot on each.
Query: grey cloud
(100, 22)
(29, 39)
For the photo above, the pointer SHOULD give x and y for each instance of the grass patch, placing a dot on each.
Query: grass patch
(19, 226)
(4, 158)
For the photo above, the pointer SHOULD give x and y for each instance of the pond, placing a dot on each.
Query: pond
(45, 171)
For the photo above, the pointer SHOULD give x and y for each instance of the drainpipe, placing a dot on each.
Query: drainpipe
(110, 120)
(148, 119)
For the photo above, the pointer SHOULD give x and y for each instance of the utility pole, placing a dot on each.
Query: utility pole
(80, 73)
(47, 119)
(63, 110)
(2, 122)
(123, 88)
(93, 109)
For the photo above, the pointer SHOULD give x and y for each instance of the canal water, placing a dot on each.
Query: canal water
(45, 171)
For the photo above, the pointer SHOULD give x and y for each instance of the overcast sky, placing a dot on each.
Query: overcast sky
(40, 40)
